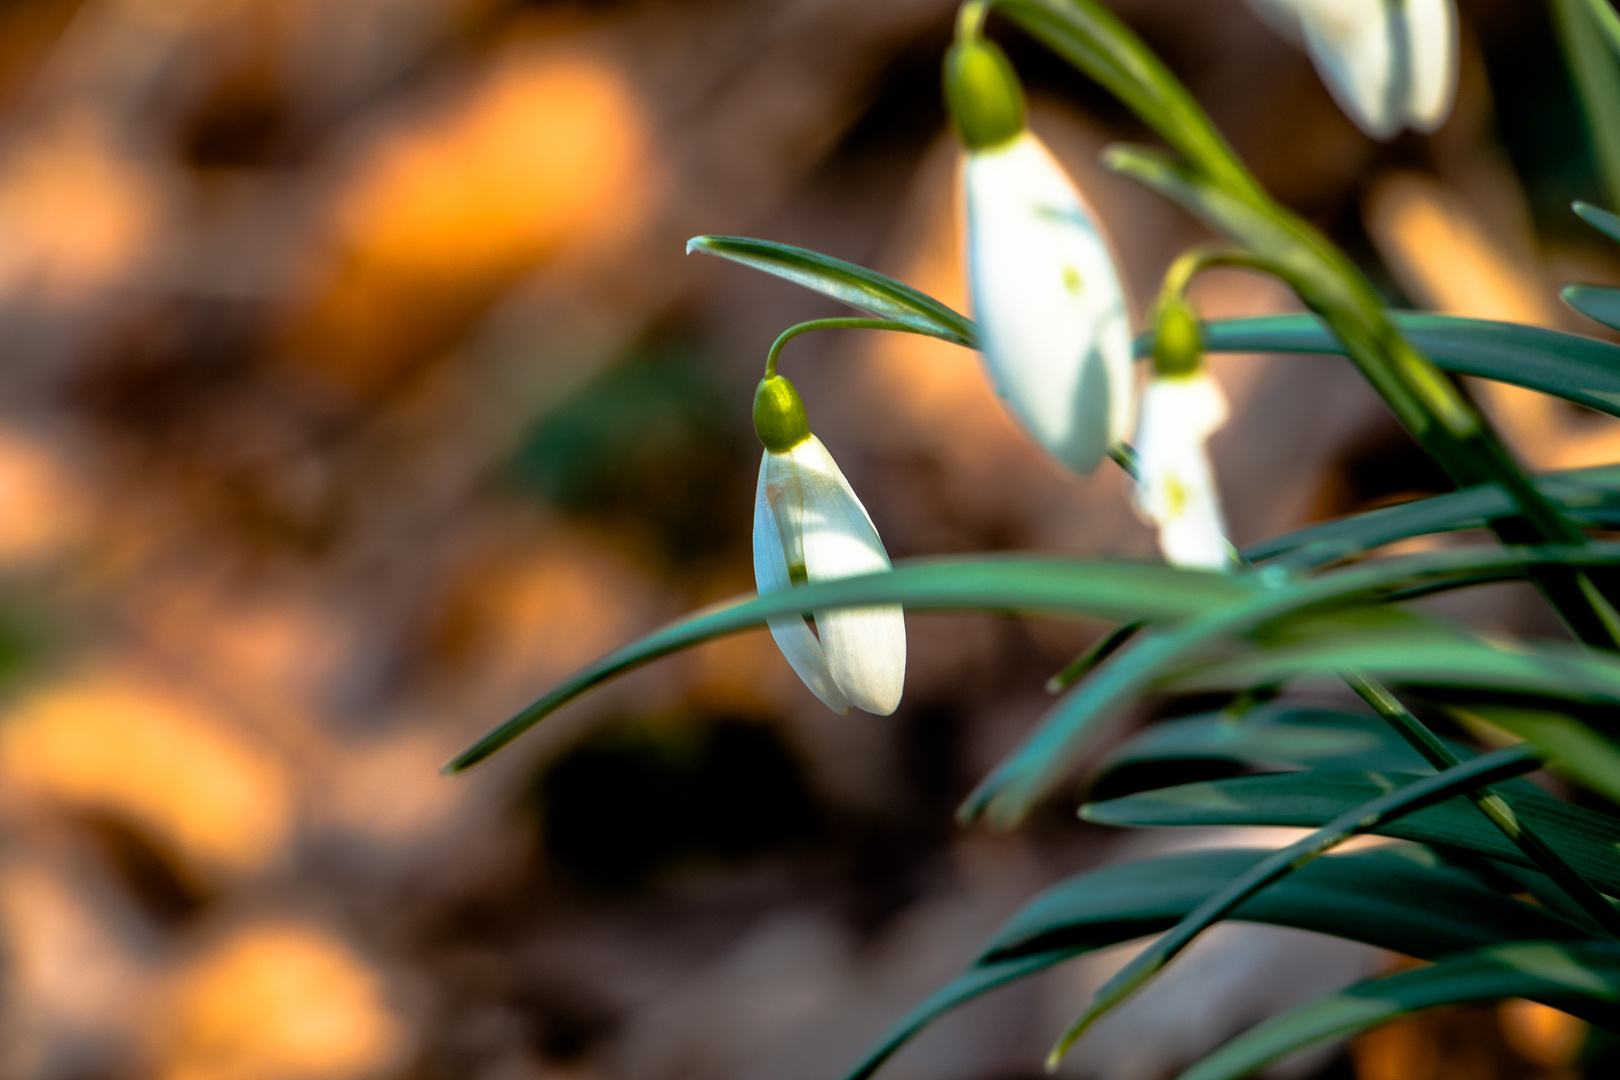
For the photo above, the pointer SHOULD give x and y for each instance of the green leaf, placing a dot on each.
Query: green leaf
(1061, 737)
(1602, 220)
(1276, 865)
(1579, 751)
(972, 983)
(866, 290)
(1421, 654)
(1575, 368)
(1590, 841)
(1113, 590)
(1595, 302)
(1583, 979)
(1400, 898)
(1271, 738)
(1591, 496)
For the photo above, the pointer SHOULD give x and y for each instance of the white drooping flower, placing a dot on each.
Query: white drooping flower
(1388, 63)
(1051, 312)
(810, 526)
(1052, 321)
(1176, 487)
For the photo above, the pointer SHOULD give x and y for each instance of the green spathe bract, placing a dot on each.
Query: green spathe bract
(982, 92)
(779, 417)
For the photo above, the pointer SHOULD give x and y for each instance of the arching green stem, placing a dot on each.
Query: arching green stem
(831, 324)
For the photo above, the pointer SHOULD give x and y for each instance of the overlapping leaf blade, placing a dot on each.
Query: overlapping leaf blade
(1271, 738)
(1590, 841)
(1580, 978)
(866, 290)
(1109, 590)
(1575, 368)
(1591, 496)
(1595, 302)
(1171, 657)
(1399, 898)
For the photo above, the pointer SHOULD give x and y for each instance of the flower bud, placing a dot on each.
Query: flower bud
(1177, 341)
(779, 417)
(982, 93)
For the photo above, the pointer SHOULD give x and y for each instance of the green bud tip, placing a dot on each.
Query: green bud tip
(1178, 344)
(779, 418)
(982, 93)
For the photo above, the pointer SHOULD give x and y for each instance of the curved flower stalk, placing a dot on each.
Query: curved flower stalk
(810, 526)
(1388, 63)
(1181, 408)
(1051, 312)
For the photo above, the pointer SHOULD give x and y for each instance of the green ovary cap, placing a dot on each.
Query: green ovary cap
(983, 94)
(1177, 341)
(779, 418)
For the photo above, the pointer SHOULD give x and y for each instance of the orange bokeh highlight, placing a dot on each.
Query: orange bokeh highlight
(165, 762)
(279, 1001)
(548, 148)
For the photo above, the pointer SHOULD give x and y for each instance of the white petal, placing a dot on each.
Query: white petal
(1431, 34)
(1177, 490)
(865, 647)
(792, 633)
(1048, 300)
(1360, 49)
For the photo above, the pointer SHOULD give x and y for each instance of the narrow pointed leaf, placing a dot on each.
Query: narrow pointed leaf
(1425, 656)
(1591, 496)
(1602, 220)
(1062, 736)
(1595, 302)
(1108, 590)
(1271, 738)
(1588, 840)
(1404, 899)
(1583, 979)
(1390, 806)
(1575, 368)
(866, 290)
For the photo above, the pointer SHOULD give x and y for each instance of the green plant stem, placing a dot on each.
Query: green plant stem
(831, 324)
(1589, 34)
(1490, 803)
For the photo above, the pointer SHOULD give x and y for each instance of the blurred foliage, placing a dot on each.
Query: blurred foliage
(655, 443)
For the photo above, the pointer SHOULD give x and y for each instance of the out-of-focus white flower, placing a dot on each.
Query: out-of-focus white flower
(1176, 488)
(1051, 313)
(810, 526)
(1389, 63)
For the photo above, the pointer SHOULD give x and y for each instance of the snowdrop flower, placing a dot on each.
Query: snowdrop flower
(1181, 408)
(1389, 63)
(1051, 312)
(809, 526)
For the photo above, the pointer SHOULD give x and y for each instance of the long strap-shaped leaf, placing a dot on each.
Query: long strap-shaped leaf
(1591, 496)
(1114, 590)
(1058, 741)
(1583, 979)
(854, 285)
(1575, 368)
(1511, 761)
(1402, 899)
(1589, 840)
(1109, 590)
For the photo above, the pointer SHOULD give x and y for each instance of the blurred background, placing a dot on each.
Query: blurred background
(356, 387)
